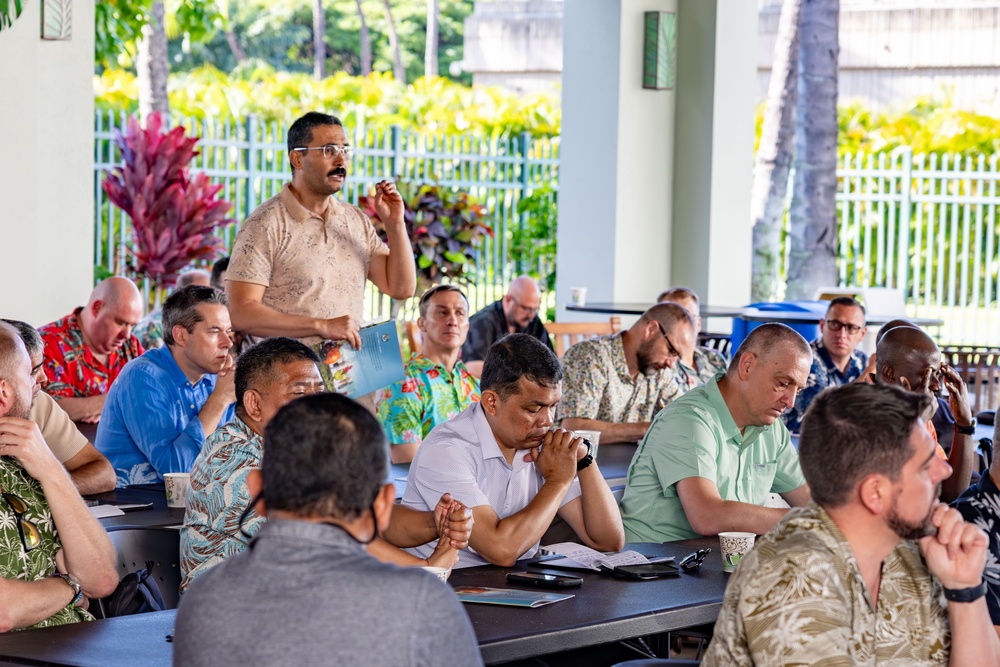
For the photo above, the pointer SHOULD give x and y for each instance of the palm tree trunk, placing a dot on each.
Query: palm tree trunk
(431, 45)
(234, 46)
(366, 42)
(319, 40)
(398, 71)
(774, 156)
(813, 253)
(152, 64)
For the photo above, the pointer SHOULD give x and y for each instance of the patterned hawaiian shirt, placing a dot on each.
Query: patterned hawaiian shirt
(980, 505)
(40, 562)
(707, 364)
(597, 384)
(149, 330)
(72, 370)
(426, 397)
(798, 598)
(218, 497)
(824, 373)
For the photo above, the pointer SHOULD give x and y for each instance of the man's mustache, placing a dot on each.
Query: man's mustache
(338, 171)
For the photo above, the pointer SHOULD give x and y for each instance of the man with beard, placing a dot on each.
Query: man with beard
(616, 384)
(711, 458)
(300, 261)
(875, 570)
(53, 552)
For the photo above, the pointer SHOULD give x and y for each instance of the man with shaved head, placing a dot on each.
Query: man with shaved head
(86, 350)
(617, 383)
(711, 458)
(149, 331)
(517, 312)
(53, 552)
(909, 358)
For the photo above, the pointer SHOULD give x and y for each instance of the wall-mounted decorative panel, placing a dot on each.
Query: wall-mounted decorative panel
(57, 19)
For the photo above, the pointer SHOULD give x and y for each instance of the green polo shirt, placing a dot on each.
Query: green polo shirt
(695, 436)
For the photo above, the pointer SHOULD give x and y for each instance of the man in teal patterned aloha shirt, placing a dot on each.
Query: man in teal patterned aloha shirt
(50, 563)
(437, 385)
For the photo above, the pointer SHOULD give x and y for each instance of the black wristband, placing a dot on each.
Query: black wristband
(966, 594)
(966, 430)
(588, 459)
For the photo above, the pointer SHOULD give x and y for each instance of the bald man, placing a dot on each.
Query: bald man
(149, 331)
(86, 350)
(712, 456)
(910, 358)
(517, 312)
(616, 384)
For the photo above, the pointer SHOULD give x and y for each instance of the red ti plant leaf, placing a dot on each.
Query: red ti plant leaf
(175, 216)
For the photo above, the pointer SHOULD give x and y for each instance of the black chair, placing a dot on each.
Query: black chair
(721, 343)
(135, 546)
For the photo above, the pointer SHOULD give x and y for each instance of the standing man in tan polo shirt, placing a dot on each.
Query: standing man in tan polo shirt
(300, 261)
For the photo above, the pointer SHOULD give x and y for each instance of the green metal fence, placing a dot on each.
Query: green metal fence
(249, 159)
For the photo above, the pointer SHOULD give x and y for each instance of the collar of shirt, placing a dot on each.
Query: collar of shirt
(618, 361)
(297, 532)
(488, 442)
(239, 429)
(165, 359)
(855, 364)
(730, 431)
(299, 212)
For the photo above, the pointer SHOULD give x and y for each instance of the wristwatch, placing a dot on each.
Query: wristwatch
(74, 584)
(588, 459)
(967, 430)
(966, 594)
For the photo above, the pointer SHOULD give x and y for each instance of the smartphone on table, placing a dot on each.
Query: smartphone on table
(542, 580)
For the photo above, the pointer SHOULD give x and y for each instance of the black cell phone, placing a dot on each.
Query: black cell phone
(647, 571)
(542, 580)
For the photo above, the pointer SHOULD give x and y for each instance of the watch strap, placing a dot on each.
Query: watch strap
(74, 584)
(585, 462)
(966, 430)
(966, 594)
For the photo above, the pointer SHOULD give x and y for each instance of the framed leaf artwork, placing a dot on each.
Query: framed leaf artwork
(57, 19)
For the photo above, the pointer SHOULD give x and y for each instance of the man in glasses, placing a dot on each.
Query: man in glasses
(836, 357)
(616, 384)
(517, 312)
(711, 458)
(437, 385)
(909, 358)
(307, 592)
(301, 260)
(54, 555)
(703, 363)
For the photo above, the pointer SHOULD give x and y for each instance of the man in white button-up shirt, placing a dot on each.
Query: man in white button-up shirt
(499, 458)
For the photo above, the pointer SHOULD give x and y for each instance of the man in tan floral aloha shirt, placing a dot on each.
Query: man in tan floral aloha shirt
(875, 570)
(54, 555)
(616, 384)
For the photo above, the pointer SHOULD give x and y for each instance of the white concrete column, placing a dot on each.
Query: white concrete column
(651, 179)
(716, 82)
(46, 166)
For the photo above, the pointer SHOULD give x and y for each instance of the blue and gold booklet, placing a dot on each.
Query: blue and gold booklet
(377, 364)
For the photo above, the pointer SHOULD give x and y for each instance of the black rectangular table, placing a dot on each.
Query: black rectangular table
(160, 515)
(603, 610)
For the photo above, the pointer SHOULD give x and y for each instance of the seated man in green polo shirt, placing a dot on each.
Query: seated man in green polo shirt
(437, 385)
(712, 456)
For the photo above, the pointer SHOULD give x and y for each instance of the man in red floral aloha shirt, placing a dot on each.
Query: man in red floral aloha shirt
(85, 351)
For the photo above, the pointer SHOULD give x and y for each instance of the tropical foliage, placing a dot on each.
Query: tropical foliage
(445, 226)
(174, 216)
(9, 11)
(376, 101)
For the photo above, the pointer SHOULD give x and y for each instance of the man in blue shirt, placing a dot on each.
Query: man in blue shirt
(163, 404)
(836, 357)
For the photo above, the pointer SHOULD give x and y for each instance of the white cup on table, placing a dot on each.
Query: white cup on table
(578, 296)
(177, 485)
(593, 436)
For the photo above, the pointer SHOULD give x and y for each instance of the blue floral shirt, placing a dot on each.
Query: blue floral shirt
(218, 497)
(980, 505)
(824, 373)
(150, 423)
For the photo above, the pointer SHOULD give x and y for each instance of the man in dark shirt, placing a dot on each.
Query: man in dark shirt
(515, 313)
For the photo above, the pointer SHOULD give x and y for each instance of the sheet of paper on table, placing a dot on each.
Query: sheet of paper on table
(579, 556)
(102, 511)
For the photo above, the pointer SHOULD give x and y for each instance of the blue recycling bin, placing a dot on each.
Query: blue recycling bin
(809, 331)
